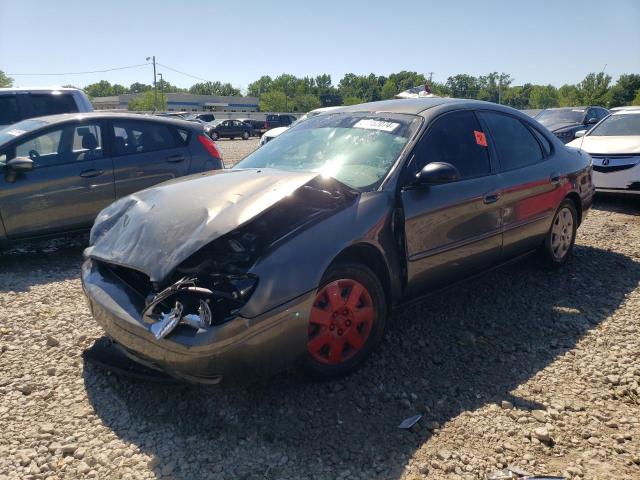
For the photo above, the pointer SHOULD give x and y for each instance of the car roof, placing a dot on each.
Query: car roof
(420, 106)
(61, 117)
(39, 89)
(627, 112)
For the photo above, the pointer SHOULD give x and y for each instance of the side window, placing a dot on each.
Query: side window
(51, 104)
(87, 142)
(546, 146)
(140, 137)
(9, 112)
(456, 138)
(44, 150)
(514, 142)
(184, 136)
(601, 113)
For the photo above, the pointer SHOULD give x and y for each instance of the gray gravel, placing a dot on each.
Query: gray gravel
(524, 366)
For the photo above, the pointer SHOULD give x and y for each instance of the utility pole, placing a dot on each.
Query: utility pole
(155, 87)
(161, 86)
(430, 77)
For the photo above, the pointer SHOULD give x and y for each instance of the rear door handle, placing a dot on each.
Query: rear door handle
(492, 197)
(175, 158)
(91, 173)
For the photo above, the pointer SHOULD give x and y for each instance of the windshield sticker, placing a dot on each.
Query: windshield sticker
(376, 125)
(16, 132)
(481, 138)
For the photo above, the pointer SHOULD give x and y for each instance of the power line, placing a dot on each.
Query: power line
(80, 73)
(183, 73)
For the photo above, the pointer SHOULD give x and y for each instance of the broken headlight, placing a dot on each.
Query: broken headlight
(197, 302)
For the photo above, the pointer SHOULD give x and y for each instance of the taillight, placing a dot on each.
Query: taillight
(210, 146)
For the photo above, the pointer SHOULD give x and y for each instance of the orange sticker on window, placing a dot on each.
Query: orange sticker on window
(481, 139)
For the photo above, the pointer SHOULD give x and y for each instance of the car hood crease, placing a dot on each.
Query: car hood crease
(155, 230)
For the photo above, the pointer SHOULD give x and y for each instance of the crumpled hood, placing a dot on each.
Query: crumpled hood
(628, 144)
(156, 229)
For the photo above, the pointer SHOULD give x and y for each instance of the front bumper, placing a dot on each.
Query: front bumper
(242, 346)
(625, 181)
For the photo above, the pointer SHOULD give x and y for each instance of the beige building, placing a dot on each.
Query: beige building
(183, 102)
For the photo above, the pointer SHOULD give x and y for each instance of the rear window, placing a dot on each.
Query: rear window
(9, 112)
(52, 104)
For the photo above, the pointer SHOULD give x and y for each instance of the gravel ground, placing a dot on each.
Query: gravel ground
(524, 366)
(235, 150)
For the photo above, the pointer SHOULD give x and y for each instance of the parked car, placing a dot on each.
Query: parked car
(228, 129)
(256, 125)
(18, 104)
(274, 132)
(59, 171)
(614, 145)
(298, 253)
(628, 107)
(274, 120)
(200, 117)
(565, 122)
(179, 115)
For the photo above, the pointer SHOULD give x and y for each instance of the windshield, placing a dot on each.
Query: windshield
(17, 129)
(562, 115)
(618, 125)
(358, 149)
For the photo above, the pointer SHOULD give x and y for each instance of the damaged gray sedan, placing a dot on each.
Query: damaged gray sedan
(297, 254)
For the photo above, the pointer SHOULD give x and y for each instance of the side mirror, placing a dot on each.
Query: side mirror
(436, 173)
(592, 121)
(20, 164)
(579, 133)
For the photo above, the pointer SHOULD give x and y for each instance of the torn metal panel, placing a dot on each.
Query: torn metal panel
(156, 229)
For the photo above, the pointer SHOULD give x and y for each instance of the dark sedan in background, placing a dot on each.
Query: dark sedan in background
(59, 171)
(298, 253)
(228, 129)
(565, 122)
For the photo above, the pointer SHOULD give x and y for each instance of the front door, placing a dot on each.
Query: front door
(146, 153)
(451, 230)
(72, 180)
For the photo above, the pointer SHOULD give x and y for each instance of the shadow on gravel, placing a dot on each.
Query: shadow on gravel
(36, 262)
(452, 353)
(617, 203)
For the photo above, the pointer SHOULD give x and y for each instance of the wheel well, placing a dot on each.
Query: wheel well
(369, 256)
(575, 198)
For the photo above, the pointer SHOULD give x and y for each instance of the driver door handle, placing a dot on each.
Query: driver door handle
(492, 197)
(555, 178)
(175, 158)
(91, 173)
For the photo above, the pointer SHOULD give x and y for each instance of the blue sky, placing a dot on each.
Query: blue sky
(541, 41)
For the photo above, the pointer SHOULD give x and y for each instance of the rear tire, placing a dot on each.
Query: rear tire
(558, 244)
(346, 322)
(245, 136)
(214, 136)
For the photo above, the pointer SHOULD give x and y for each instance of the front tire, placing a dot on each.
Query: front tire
(561, 237)
(346, 321)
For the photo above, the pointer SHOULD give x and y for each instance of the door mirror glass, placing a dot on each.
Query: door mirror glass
(592, 121)
(20, 164)
(436, 173)
(579, 133)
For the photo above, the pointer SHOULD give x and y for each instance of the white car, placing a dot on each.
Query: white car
(274, 132)
(614, 145)
(19, 103)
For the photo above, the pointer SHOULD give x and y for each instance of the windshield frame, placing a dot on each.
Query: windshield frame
(608, 119)
(415, 125)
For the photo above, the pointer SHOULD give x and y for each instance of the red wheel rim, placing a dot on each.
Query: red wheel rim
(340, 322)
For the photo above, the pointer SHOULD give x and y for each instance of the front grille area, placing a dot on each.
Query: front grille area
(613, 163)
(137, 281)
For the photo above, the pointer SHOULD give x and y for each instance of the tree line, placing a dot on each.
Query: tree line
(287, 92)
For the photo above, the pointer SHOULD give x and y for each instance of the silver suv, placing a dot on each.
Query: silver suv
(18, 104)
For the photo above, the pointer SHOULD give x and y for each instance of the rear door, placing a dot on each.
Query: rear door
(72, 180)
(452, 230)
(146, 153)
(530, 185)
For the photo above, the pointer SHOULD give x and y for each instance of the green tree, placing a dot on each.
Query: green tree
(405, 80)
(364, 87)
(623, 92)
(352, 101)
(260, 86)
(594, 88)
(100, 89)
(517, 96)
(543, 96)
(138, 87)
(5, 81)
(305, 102)
(636, 100)
(463, 86)
(389, 89)
(274, 101)
(214, 88)
(118, 89)
(568, 96)
(145, 102)
(492, 85)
